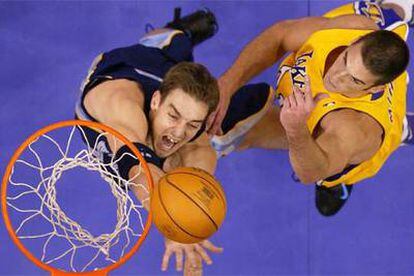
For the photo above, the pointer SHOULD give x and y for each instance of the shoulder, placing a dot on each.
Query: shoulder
(350, 120)
(121, 89)
(120, 104)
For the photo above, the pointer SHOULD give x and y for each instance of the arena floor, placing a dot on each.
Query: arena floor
(272, 226)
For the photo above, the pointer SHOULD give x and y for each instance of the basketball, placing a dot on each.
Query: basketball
(188, 205)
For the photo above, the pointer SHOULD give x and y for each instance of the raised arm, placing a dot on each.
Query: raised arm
(280, 38)
(114, 103)
(201, 155)
(268, 47)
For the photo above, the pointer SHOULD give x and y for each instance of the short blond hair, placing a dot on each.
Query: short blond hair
(195, 80)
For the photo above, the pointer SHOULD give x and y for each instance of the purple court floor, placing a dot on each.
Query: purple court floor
(272, 226)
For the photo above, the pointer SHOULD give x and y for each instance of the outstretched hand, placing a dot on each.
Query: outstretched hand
(192, 253)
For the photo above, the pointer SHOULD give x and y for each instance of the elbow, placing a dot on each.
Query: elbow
(308, 178)
(312, 174)
(285, 23)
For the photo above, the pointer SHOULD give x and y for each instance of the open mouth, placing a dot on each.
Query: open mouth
(167, 142)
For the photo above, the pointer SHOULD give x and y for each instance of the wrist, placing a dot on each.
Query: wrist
(228, 84)
(298, 132)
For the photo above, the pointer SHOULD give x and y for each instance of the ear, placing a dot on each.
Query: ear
(376, 88)
(155, 100)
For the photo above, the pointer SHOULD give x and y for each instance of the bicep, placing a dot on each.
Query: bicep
(131, 122)
(347, 143)
(337, 151)
(119, 104)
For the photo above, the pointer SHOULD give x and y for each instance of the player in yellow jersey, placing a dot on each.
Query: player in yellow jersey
(342, 92)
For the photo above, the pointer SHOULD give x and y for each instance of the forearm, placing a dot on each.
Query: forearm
(310, 163)
(261, 53)
(140, 185)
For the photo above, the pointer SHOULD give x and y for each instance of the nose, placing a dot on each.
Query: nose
(179, 131)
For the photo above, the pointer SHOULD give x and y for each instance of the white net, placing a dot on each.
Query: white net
(50, 228)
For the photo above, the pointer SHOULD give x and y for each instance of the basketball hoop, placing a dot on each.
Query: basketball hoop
(38, 224)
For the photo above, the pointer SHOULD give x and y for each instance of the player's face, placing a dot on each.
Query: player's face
(348, 74)
(176, 120)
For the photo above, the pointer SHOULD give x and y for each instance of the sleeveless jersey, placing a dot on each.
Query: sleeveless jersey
(386, 107)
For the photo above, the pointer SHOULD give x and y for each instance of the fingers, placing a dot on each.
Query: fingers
(194, 254)
(179, 260)
(165, 260)
(215, 120)
(216, 129)
(307, 90)
(286, 103)
(304, 96)
(293, 101)
(215, 123)
(193, 271)
(216, 126)
(210, 120)
(210, 246)
(191, 255)
(298, 96)
(200, 250)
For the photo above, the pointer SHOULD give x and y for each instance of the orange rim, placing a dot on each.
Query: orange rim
(5, 181)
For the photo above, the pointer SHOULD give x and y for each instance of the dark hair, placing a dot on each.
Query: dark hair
(385, 54)
(195, 80)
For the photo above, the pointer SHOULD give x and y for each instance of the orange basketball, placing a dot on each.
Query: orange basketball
(188, 205)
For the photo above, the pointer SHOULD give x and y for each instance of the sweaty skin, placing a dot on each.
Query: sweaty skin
(342, 137)
(120, 104)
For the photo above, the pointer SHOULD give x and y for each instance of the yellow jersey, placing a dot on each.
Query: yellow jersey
(386, 107)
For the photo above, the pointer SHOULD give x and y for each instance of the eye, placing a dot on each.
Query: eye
(356, 81)
(194, 126)
(172, 116)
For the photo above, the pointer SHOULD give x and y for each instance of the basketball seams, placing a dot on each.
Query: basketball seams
(219, 191)
(168, 214)
(201, 208)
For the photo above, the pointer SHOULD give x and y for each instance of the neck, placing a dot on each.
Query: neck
(331, 58)
(355, 94)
